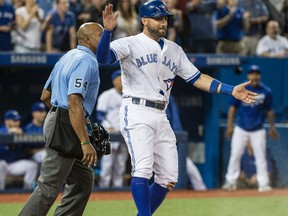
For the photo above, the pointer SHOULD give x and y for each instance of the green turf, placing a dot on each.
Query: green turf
(258, 206)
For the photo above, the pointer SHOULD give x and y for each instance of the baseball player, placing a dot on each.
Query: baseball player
(108, 105)
(12, 158)
(35, 126)
(249, 128)
(149, 64)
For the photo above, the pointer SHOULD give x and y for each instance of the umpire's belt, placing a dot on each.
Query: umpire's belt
(53, 109)
(154, 104)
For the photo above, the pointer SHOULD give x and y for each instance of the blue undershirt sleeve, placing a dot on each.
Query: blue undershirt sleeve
(104, 54)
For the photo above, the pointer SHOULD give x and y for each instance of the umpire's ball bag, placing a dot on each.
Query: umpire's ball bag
(65, 140)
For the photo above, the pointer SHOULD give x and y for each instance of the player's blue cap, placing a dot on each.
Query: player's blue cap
(154, 9)
(12, 114)
(38, 106)
(254, 69)
(115, 74)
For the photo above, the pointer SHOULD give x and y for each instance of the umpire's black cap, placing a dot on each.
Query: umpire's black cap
(254, 69)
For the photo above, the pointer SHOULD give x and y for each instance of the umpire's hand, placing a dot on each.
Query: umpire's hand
(89, 155)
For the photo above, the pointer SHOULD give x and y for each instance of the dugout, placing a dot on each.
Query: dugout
(22, 77)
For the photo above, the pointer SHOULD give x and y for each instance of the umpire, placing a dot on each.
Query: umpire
(71, 92)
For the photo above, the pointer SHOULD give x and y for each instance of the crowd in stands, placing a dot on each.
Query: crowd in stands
(199, 26)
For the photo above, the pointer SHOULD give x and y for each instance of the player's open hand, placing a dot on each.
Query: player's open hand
(89, 155)
(109, 17)
(241, 93)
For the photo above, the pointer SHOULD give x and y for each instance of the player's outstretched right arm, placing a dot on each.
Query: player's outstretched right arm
(104, 54)
(109, 17)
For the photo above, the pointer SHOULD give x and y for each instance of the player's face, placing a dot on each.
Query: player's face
(9, 123)
(39, 116)
(155, 27)
(255, 78)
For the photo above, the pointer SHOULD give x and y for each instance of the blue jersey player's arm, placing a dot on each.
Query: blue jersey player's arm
(271, 116)
(230, 121)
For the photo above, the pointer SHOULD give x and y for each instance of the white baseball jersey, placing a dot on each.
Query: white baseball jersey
(109, 102)
(267, 44)
(148, 71)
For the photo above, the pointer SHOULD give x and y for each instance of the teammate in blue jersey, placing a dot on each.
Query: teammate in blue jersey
(12, 159)
(249, 128)
(149, 65)
(71, 91)
(35, 126)
(38, 112)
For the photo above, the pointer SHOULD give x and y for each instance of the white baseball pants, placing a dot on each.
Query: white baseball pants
(239, 141)
(113, 166)
(27, 168)
(151, 143)
(194, 175)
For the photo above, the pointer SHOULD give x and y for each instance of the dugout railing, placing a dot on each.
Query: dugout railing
(39, 141)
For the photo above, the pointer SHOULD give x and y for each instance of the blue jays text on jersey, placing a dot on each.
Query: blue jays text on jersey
(152, 58)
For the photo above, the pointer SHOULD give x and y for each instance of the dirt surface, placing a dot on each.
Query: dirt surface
(176, 194)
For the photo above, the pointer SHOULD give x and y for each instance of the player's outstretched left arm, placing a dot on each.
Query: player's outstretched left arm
(209, 84)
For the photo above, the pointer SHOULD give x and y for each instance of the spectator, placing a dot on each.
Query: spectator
(249, 128)
(258, 17)
(113, 165)
(272, 44)
(191, 169)
(28, 27)
(248, 174)
(61, 29)
(175, 23)
(94, 12)
(128, 23)
(38, 112)
(75, 6)
(12, 162)
(231, 23)
(202, 29)
(7, 18)
(46, 6)
(17, 3)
